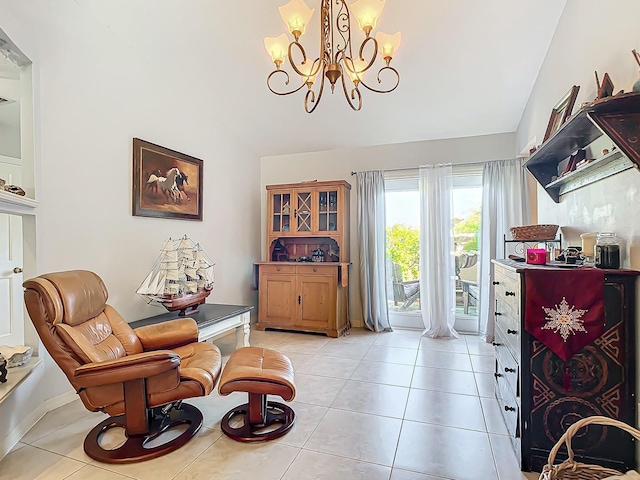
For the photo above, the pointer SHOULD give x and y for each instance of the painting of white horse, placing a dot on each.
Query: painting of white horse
(167, 184)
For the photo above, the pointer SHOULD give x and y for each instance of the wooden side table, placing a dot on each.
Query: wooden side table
(214, 320)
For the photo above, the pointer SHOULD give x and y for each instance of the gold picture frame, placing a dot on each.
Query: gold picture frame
(166, 183)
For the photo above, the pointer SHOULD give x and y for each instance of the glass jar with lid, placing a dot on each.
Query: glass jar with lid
(607, 251)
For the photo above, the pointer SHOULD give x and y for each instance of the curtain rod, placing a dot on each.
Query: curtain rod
(472, 164)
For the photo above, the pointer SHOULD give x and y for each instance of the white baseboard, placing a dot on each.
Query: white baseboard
(23, 427)
(60, 400)
(32, 418)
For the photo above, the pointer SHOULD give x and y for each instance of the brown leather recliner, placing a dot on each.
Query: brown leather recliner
(139, 377)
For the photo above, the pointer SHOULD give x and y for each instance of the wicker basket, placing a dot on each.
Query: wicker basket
(573, 470)
(534, 232)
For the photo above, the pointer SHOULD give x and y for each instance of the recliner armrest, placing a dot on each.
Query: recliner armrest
(168, 335)
(124, 369)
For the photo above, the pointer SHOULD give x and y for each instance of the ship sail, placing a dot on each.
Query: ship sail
(181, 277)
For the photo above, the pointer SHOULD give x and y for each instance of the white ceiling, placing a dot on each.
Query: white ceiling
(467, 67)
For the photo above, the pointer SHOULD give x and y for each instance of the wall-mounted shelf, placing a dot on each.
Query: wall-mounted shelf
(616, 117)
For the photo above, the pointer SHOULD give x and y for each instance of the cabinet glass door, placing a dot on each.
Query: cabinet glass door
(303, 211)
(328, 211)
(281, 214)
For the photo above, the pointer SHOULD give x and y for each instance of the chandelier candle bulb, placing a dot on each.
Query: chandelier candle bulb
(367, 13)
(277, 48)
(296, 16)
(388, 44)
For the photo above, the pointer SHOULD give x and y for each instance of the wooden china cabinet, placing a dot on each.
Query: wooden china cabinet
(303, 284)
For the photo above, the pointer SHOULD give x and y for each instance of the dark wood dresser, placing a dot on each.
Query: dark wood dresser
(540, 394)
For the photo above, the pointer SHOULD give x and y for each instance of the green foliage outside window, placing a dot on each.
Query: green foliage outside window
(403, 242)
(403, 247)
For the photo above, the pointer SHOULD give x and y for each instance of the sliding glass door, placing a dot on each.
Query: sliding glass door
(403, 246)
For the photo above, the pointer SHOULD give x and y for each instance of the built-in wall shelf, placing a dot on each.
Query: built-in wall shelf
(16, 204)
(605, 166)
(617, 118)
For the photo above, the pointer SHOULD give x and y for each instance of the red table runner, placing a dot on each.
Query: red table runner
(564, 309)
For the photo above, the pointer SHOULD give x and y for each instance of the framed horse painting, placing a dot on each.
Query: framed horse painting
(166, 183)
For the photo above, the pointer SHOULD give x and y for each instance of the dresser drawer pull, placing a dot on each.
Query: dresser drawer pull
(507, 408)
(497, 375)
(509, 370)
(496, 344)
(512, 332)
(495, 283)
(510, 294)
(277, 269)
(315, 269)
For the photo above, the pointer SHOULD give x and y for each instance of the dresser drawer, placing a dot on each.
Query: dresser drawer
(507, 367)
(509, 406)
(507, 289)
(508, 325)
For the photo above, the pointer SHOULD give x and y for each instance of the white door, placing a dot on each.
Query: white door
(11, 303)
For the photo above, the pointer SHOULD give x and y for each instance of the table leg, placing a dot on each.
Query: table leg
(242, 332)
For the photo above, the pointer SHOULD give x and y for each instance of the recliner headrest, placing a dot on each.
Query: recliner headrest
(83, 295)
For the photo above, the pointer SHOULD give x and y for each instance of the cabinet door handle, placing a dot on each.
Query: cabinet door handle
(509, 370)
(510, 294)
(497, 375)
(295, 213)
(507, 408)
(299, 299)
(496, 344)
(497, 314)
(495, 283)
(512, 332)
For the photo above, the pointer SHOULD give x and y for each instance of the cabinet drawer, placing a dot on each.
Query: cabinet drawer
(276, 269)
(315, 269)
(507, 367)
(508, 325)
(508, 289)
(509, 406)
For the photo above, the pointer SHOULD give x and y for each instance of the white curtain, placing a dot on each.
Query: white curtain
(437, 277)
(372, 249)
(505, 203)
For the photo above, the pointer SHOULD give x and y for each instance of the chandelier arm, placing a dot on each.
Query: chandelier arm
(315, 100)
(304, 59)
(397, 81)
(286, 83)
(354, 92)
(361, 52)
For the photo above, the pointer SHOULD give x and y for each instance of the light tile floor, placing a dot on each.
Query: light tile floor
(388, 406)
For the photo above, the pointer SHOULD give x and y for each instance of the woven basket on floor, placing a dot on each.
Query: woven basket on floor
(534, 232)
(570, 469)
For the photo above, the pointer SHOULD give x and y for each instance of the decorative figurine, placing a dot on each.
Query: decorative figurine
(3, 369)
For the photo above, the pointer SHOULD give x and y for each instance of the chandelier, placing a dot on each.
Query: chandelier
(336, 61)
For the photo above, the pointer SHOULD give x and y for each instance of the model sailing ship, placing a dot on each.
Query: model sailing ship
(181, 278)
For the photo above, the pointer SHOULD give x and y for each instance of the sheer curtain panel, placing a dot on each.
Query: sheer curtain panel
(372, 249)
(505, 203)
(437, 281)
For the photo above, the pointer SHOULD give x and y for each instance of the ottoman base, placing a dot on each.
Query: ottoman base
(259, 415)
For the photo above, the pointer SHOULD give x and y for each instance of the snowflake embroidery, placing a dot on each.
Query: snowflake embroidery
(564, 319)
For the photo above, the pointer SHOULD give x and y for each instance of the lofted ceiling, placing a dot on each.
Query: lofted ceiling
(467, 67)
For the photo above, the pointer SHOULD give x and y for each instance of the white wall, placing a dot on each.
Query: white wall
(93, 94)
(591, 35)
(338, 165)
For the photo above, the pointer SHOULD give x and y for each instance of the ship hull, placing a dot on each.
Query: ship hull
(187, 301)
